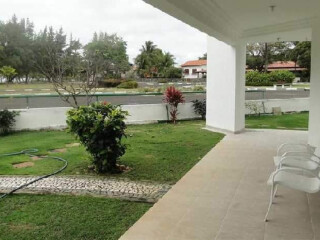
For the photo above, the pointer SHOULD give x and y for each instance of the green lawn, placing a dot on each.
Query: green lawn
(156, 152)
(32, 217)
(298, 121)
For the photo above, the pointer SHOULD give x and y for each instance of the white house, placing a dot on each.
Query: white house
(194, 69)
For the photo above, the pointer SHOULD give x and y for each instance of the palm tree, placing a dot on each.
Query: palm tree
(148, 47)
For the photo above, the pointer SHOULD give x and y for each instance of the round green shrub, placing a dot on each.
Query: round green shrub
(254, 78)
(100, 127)
(128, 85)
(7, 120)
(281, 76)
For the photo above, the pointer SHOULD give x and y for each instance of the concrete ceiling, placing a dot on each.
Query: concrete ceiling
(252, 20)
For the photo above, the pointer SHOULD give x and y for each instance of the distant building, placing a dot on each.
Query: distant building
(194, 69)
(285, 65)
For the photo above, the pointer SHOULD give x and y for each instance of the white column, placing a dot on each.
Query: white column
(314, 118)
(226, 85)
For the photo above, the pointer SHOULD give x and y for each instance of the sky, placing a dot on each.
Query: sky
(133, 20)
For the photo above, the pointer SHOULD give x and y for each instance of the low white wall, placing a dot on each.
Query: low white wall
(286, 105)
(38, 118)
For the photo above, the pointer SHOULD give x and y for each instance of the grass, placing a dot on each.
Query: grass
(35, 217)
(156, 152)
(298, 121)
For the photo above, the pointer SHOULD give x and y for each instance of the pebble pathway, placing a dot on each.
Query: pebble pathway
(114, 188)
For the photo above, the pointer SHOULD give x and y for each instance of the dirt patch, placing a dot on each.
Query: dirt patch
(22, 227)
(37, 158)
(72, 145)
(58, 150)
(148, 156)
(23, 165)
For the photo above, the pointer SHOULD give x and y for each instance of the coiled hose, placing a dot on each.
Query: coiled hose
(29, 152)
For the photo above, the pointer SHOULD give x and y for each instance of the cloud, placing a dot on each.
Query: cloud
(133, 20)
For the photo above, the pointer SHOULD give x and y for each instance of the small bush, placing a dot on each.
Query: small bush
(100, 128)
(128, 85)
(146, 90)
(281, 77)
(254, 78)
(200, 108)
(110, 83)
(7, 120)
(163, 81)
(173, 97)
(198, 88)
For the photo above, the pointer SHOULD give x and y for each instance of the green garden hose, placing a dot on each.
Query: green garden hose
(29, 152)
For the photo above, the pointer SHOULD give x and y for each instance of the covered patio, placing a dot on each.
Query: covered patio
(225, 196)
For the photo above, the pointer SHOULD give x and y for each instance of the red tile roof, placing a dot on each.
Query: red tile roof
(280, 64)
(194, 63)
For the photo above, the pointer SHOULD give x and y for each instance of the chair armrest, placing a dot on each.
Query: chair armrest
(289, 147)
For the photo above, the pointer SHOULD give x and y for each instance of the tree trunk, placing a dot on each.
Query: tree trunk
(266, 61)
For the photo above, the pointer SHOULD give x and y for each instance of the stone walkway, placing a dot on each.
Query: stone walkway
(115, 188)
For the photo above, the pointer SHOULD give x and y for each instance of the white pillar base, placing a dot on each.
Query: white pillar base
(226, 86)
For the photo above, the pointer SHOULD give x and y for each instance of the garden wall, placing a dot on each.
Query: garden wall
(38, 118)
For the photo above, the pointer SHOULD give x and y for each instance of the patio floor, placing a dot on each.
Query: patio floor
(225, 196)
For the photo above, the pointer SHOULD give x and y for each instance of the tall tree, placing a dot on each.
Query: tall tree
(15, 41)
(153, 62)
(108, 53)
(259, 55)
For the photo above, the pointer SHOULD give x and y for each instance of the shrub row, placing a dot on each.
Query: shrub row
(255, 78)
(120, 83)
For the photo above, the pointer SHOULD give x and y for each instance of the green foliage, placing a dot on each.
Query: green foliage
(281, 77)
(259, 55)
(204, 57)
(153, 62)
(7, 120)
(100, 128)
(198, 88)
(8, 72)
(110, 83)
(16, 46)
(163, 81)
(172, 72)
(200, 108)
(108, 53)
(128, 84)
(254, 78)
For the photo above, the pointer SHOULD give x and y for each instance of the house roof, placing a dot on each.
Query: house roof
(194, 63)
(283, 64)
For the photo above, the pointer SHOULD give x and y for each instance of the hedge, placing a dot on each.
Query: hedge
(255, 78)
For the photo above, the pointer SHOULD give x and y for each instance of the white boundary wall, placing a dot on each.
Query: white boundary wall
(39, 118)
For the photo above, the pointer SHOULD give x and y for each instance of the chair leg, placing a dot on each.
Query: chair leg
(270, 203)
(275, 191)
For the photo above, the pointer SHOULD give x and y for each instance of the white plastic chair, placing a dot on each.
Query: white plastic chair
(297, 155)
(288, 148)
(293, 178)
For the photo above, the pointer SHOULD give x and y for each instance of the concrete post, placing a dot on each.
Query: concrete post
(226, 86)
(314, 118)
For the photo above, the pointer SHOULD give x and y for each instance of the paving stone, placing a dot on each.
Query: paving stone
(130, 190)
